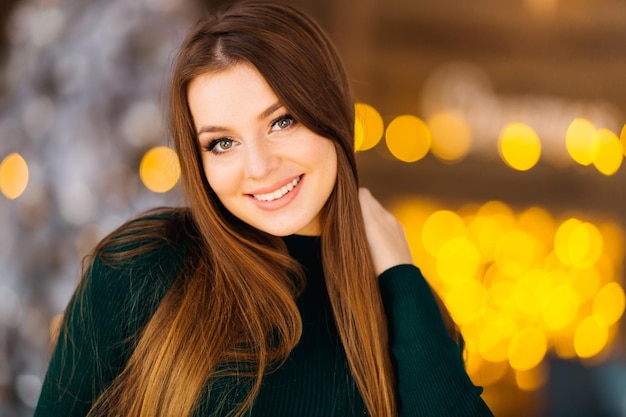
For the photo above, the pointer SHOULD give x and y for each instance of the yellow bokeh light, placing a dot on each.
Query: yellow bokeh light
(494, 342)
(465, 299)
(527, 349)
(451, 136)
(499, 212)
(537, 222)
(13, 176)
(608, 153)
(439, 227)
(585, 282)
(562, 240)
(519, 146)
(457, 259)
(613, 239)
(485, 232)
(590, 338)
(159, 169)
(470, 336)
(608, 305)
(560, 308)
(408, 138)
(359, 134)
(579, 140)
(563, 344)
(531, 379)
(578, 244)
(586, 245)
(515, 252)
(368, 127)
(520, 283)
(500, 293)
(485, 373)
(531, 291)
(622, 139)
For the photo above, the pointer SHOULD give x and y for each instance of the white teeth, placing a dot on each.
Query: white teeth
(278, 193)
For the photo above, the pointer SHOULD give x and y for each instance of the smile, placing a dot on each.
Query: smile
(278, 193)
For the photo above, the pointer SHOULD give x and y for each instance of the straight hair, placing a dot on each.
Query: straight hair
(238, 284)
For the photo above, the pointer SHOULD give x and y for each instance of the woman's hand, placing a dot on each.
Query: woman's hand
(385, 235)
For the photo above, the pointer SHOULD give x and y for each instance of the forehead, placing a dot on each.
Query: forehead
(235, 91)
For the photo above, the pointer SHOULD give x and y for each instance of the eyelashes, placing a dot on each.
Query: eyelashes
(283, 122)
(222, 145)
(218, 146)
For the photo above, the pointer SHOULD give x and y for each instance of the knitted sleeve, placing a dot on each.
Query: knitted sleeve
(432, 380)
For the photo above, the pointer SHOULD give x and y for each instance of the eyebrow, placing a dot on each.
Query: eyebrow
(264, 114)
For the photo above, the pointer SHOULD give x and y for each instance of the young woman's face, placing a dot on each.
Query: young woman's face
(266, 168)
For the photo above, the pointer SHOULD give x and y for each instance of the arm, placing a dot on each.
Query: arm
(432, 380)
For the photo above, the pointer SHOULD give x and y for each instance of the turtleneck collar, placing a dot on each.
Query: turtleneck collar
(305, 249)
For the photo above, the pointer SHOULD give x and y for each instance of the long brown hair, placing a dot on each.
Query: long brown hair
(250, 286)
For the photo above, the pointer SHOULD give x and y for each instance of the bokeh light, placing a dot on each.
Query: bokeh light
(519, 284)
(608, 305)
(457, 260)
(527, 349)
(590, 338)
(622, 139)
(578, 243)
(485, 373)
(159, 169)
(439, 227)
(515, 252)
(451, 136)
(494, 340)
(579, 141)
(368, 127)
(560, 308)
(408, 138)
(466, 299)
(531, 379)
(13, 176)
(519, 146)
(608, 153)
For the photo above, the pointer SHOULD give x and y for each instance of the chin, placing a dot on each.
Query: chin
(296, 229)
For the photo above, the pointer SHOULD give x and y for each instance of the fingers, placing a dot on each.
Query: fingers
(385, 235)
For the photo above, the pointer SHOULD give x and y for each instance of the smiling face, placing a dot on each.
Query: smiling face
(265, 167)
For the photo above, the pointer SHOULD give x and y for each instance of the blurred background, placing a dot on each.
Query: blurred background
(494, 129)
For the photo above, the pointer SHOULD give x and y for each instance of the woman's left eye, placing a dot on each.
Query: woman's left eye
(282, 123)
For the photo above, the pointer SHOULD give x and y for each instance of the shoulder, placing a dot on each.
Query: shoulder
(154, 230)
(132, 268)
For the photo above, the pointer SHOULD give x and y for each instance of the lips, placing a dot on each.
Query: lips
(278, 193)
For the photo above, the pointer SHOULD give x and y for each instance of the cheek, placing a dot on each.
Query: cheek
(221, 179)
(327, 156)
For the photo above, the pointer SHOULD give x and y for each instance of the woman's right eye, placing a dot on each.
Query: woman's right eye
(218, 146)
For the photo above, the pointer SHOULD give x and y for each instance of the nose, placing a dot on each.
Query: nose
(261, 159)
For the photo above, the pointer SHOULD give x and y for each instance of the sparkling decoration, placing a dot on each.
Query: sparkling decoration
(82, 102)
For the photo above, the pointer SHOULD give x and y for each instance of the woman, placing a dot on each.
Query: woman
(283, 290)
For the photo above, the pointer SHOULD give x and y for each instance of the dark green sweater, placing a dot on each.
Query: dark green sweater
(314, 381)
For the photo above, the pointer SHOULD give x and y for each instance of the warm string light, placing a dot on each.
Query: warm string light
(159, 169)
(14, 176)
(449, 138)
(519, 284)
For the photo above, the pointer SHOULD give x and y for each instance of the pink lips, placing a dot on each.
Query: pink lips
(278, 203)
